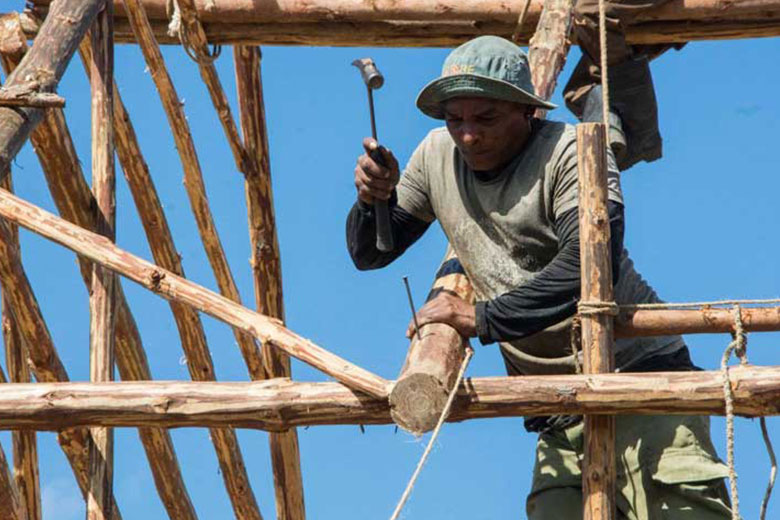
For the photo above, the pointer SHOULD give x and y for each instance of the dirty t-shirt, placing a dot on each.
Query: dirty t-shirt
(502, 232)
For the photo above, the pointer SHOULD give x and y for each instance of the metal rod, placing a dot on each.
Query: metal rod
(411, 304)
(371, 110)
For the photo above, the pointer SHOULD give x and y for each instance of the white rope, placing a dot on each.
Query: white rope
(434, 435)
(738, 347)
(604, 68)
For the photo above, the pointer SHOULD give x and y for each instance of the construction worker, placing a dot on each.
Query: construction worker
(503, 186)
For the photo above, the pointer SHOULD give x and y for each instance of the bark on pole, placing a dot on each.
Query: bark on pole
(71, 194)
(25, 446)
(12, 506)
(598, 471)
(102, 300)
(42, 68)
(432, 363)
(266, 267)
(445, 24)
(278, 404)
(172, 287)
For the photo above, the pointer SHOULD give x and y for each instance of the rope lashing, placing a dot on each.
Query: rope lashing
(177, 29)
(591, 308)
(434, 435)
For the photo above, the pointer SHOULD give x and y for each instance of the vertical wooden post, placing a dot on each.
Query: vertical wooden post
(598, 472)
(267, 269)
(103, 296)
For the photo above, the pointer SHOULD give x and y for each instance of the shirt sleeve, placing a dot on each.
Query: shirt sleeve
(564, 176)
(413, 188)
(551, 295)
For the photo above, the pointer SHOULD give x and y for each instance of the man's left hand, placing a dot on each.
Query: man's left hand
(449, 309)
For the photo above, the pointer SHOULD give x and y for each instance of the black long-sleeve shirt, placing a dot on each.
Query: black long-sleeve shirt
(549, 297)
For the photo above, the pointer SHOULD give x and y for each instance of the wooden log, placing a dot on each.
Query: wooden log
(170, 286)
(278, 404)
(238, 11)
(102, 298)
(12, 506)
(663, 322)
(25, 446)
(598, 471)
(432, 363)
(267, 268)
(394, 33)
(193, 176)
(188, 322)
(23, 97)
(43, 67)
(549, 47)
(70, 192)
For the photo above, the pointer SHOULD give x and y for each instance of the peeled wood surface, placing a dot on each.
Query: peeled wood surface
(598, 470)
(663, 322)
(70, 192)
(11, 504)
(280, 403)
(25, 446)
(444, 23)
(267, 268)
(43, 66)
(170, 286)
(25, 98)
(549, 47)
(419, 395)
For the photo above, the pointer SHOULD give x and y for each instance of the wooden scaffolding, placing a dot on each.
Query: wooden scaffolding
(84, 413)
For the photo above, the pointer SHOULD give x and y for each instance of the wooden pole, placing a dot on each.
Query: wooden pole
(70, 192)
(663, 322)
(42, 68)
(102, 300)
(172, 287)
(549, 47)
(432, 363)
(12, 506)
(267, 268)
(598, 471)
(22, 97)
(188, 322)
(278, 404)
(676, 21)
(25, 446)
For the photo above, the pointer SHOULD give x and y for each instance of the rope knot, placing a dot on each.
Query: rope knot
(591, 308)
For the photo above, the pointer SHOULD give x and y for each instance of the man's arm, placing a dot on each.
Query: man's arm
(361, 234)
(551, 295)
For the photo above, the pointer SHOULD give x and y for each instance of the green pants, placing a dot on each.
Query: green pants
(667, 468)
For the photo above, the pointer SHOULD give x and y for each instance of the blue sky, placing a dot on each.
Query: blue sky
(701, 225)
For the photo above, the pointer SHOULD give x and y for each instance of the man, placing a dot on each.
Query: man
(503, 186)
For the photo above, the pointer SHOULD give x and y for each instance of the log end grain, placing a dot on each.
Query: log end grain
(417, 401)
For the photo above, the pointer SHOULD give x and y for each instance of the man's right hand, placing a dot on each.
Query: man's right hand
(372, 180)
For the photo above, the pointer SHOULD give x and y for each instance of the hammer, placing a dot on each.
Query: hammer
(374, 80)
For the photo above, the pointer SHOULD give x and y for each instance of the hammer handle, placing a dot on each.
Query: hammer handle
(384, 234)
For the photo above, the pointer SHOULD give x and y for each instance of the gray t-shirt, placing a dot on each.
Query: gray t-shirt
(502, 232)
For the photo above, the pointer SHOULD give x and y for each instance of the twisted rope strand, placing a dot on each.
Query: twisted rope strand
(772, 472)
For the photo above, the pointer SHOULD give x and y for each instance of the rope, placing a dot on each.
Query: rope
(200, 55)
(442, 417)
(613, 309)
(772, 472)
(520, 20)
(590, 308)
(604, 68)
(737, 346)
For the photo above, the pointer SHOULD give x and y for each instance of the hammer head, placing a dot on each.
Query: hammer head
(371, 75)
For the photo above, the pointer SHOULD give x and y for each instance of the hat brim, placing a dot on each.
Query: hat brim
(432, 96)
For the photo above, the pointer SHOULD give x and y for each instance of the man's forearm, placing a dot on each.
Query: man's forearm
(361, 234)
(551, 295)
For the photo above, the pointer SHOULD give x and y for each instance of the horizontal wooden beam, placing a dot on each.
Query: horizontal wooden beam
(455, 22)
(27, 98)
(172, 287)
(276, 404)
(662, 322)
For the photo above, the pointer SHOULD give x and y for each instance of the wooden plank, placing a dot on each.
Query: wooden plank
(598, 471)
(169, 286)
(102, 297)
(278, 404)
(42, 68)
(61, 166)
(432, 362)
(267, 268)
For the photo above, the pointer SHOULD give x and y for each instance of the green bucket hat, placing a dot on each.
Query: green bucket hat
(487, 66)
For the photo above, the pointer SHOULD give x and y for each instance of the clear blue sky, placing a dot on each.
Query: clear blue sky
(701, 224)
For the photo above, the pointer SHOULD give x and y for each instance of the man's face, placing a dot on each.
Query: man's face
(487, 132)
